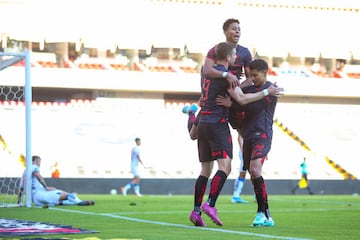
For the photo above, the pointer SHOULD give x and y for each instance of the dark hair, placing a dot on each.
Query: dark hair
(228, 22)
(137, 139)
(35, 157)
(259, 65)
(222, 50)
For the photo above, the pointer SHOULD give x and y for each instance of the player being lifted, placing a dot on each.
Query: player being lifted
(240, 68)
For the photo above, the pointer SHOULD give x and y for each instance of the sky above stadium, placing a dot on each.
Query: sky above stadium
(272, 27)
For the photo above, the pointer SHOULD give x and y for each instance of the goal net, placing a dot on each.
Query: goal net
(15, 127)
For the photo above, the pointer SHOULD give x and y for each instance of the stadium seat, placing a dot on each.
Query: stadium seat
(354, 75)
(161, 68)
(189, 69)
(47, 64)
(119, 66)
(95, 66)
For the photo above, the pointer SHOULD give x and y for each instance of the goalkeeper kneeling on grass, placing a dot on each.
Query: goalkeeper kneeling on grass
(44, 195)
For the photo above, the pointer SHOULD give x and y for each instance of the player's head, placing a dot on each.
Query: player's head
(232, 31)
(137, 141)
(258, 71)
(36, 160)
(225, 52)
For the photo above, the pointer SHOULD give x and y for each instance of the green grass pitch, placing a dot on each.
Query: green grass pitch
(320, 217)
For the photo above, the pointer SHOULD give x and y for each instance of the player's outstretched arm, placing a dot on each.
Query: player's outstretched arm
(238, 95)
(241, 98)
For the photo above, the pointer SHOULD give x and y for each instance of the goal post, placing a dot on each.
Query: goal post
(8, 59)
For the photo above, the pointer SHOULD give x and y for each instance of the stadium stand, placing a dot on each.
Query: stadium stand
(87, 125)
(149, 64)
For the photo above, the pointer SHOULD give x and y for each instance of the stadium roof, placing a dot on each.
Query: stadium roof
(272, 27)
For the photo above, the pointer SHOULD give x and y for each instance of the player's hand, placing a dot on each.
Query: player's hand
(232, 80)
(19, 197)
(223, 101)
(276, 91)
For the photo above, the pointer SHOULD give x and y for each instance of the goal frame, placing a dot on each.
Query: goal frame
(28, 101)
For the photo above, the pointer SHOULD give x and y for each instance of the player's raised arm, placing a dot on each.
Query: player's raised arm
(210, 72)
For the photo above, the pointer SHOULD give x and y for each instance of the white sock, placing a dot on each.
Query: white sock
(67, 202)
(73, 198)
(127, 187)
(137, 188)
(238, 186)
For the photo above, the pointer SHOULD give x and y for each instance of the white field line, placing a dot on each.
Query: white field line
(180, 225)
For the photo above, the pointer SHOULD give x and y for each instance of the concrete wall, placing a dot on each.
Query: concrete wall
(186, 186)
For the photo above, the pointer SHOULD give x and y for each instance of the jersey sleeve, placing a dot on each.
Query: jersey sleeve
(211, 54)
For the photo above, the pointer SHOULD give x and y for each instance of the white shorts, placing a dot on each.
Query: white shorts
(135, 171)
(41, 197)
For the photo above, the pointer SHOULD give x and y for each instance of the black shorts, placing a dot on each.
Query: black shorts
(214, 141)
(236, 120)
(255, 148)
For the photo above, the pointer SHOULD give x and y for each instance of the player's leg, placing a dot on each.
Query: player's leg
(236, 121)
(48, 198)
(239, 182)
(69, 198)
(58, 197)
(260, 191)
(201, 182)
(40, 198)
(125, 188)
(136, 180)
(238, 186)
(72, 199)
(307, 184)
(216, 186)
(221, 151)
(136, 185)
(199, 192)
(194, 131)
(296, 187)
(263, 217)
(191, 111)
(129, 185)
